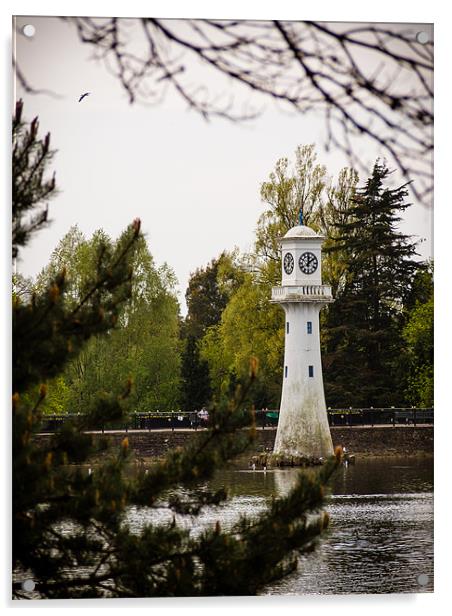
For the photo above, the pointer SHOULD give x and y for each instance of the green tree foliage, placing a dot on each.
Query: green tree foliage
(286, 191)
(332, 213)
(303, 186)
(196, 388)
(418, 334)
(421, 289)
(57, 396)
(250, 326)
(418, 338)
(374, 276)
(250, 323)
(363, 326)
(209, 290)
(70, 529)
(206, 296)
(145, 343)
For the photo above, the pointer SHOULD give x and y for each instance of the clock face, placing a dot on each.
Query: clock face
(308, 263)
(288, 263)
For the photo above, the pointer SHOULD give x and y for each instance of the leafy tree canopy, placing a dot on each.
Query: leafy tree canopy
(418, 337)
(144, 345)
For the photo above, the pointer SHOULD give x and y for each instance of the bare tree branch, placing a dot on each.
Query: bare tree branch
(368, 81)
(27, 87)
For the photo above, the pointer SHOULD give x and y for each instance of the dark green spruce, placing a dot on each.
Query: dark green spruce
(206, 300)
(363, 328)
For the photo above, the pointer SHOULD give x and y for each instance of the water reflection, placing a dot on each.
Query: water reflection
(381, 534)
(385, 476)
(376, 544)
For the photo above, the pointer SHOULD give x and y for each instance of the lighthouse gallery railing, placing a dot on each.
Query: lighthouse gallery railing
(300, 291)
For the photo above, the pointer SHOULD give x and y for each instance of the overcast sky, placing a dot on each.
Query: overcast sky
(194, 184)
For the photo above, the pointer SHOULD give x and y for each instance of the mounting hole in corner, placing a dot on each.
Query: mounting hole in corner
(29, 30)
(28, 585)
(422, 579)
(422, 37)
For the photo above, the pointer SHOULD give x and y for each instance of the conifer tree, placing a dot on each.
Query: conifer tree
(208, 293)
(196, 391)
(363, 326)
(30, 157)
(70, 529)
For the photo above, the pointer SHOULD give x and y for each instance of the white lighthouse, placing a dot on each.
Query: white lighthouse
(303, 428)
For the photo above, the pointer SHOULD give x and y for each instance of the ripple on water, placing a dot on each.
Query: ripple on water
(376, 544)
(380, 538)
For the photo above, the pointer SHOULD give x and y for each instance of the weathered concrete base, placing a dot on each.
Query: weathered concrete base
(275, 460)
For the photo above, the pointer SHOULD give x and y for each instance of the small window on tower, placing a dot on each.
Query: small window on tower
(287, 326)
(311, 370)
(285, 372)
(309, 327)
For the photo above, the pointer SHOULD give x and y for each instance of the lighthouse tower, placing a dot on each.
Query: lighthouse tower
(303, 428)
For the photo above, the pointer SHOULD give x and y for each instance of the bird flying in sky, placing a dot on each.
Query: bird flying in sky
(83, 96)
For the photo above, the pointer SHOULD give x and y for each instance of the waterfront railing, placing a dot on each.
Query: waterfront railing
(265, 418)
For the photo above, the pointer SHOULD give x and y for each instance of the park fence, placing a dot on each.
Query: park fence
(265, 418)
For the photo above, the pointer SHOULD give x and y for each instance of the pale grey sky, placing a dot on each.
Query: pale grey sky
(194, 184)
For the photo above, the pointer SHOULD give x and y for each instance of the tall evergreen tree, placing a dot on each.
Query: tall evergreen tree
(363, 327)
(205, 298)
(70, 531)
(196, 388)
(209, 290)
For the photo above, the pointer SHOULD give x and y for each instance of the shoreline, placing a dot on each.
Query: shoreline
(360, 441)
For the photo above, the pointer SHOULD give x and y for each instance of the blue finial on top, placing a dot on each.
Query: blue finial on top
(300, 217)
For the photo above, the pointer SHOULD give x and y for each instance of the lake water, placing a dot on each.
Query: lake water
(380, 538)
